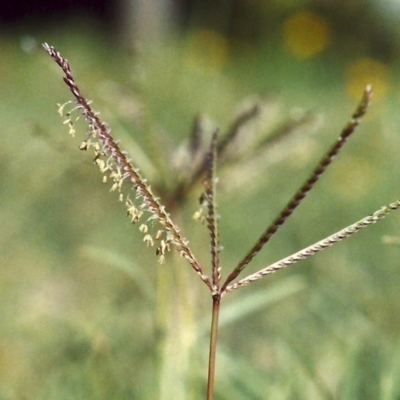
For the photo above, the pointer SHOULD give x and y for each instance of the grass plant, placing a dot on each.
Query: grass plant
(156, 209)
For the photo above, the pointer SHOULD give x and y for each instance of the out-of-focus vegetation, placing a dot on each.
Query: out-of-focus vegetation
(85, 308)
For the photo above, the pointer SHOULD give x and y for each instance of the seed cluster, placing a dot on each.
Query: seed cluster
(112, 172)
(115, 165)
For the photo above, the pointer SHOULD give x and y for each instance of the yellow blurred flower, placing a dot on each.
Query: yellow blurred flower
(306, 34)
(208, 51)
(366, 71)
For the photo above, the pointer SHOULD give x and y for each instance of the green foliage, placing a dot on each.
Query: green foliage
(84, 304)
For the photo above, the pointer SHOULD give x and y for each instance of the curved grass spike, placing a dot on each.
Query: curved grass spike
(121, 170)
(288, 128)
(305, 188)
(241, 120)
(317, 247)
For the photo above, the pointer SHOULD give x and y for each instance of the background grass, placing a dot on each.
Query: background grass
(82, 301)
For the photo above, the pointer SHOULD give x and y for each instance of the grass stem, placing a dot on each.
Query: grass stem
(213, 347)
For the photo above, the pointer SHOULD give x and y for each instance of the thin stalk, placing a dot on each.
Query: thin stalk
(213, 347)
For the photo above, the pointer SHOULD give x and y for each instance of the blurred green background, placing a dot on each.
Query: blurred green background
(88, 313)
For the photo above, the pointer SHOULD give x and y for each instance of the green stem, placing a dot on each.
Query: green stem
(213, 346)
(175, 327)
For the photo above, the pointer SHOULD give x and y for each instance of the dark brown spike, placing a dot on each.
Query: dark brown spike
(237, 124)
(210, 198)
(306, 187)
(288, 128)
(196, 137)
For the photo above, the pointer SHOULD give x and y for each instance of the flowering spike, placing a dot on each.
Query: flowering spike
(121, 169)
